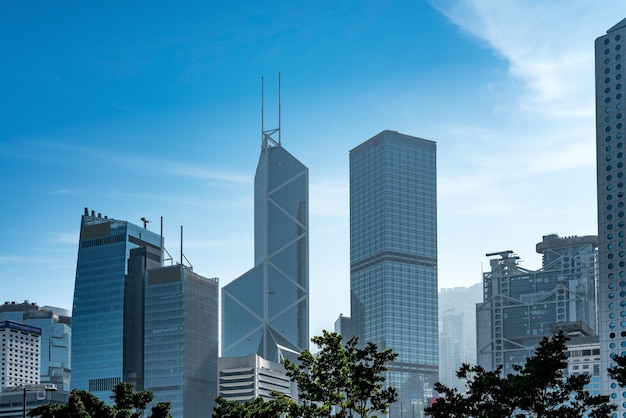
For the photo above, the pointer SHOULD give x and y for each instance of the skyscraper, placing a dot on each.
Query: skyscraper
(181, 340)
(107, 326)
(393, 259)
(265, 311)
(610, 82)
(451, 348)
(520, 305)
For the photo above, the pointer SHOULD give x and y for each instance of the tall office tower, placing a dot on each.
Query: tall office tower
(452, 349)
(610, 129)
(343, 327)
(181, 340)
(107, 323)
(266, 310)
(520, 305)
(56, 339)
(393, 259)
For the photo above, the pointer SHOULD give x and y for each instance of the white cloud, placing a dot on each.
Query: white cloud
(549, 46)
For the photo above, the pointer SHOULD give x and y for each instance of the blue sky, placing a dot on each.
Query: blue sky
(151, 109)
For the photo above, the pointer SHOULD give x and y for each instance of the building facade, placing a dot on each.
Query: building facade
(393, 259)
(55, 362)
(343, 327)
(181, 340)
(610, 60)
(266, 310)
(583, 353)
(247, 378)
(520, 305)
(107, 325)
(20, 354)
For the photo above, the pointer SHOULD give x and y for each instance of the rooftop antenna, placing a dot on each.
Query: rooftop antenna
(263, 144)
(279, 109)
(145, 222)
(164, 250)
(267, 140)
(182, 255)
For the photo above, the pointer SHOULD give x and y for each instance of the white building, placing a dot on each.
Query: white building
(250, 377)
(20, 354)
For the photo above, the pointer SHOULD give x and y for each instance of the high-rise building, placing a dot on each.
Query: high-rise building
(461, 300)
(520, 305)
(266, 310)
(56, 338)
(107, 323)
(393, 259)
(343, 327)
(610, 52)
(452, 348)
(181, 340)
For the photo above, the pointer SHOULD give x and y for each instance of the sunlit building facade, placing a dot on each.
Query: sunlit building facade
(20, 354)
(250, 377)
(56, 339)
(266, 310)
(107, 325)
(181, 340)
(393, 259)
(610, 63)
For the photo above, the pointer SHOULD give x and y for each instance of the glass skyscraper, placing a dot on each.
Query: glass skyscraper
(107, 326)
(181, 340)
(610, 52)
(266, 310)
(393, 259)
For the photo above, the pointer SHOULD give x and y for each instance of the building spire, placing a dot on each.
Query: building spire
(267, 140)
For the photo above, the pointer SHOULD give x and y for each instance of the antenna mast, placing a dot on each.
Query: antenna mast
(267, 140)
(263, 143)
(278, 108)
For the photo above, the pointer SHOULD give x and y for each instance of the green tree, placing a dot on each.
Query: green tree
(82, 404)
(256, 408)
(345, 379)
(536, 389)
(617, 372)
(342, 381)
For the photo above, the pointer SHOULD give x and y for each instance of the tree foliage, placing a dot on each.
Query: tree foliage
(340, 381)
(82, 404)
(536, 389)
(617, 371)
(345, 379)
(256, 408)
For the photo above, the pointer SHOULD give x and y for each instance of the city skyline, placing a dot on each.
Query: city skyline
(159, 115)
